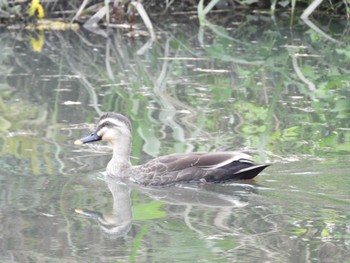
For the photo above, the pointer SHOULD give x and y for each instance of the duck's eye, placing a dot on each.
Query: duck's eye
(107, 124)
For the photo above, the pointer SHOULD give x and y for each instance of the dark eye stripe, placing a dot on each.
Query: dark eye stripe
(117, 117)
(108, 124)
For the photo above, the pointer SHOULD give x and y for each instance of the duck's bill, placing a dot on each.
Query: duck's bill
(93, 137)
(88, 213)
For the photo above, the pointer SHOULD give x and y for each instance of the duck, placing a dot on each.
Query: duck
(192, 167)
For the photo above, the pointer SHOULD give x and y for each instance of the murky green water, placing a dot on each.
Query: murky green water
(281, 95)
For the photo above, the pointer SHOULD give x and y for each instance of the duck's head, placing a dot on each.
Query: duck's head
(110, 127)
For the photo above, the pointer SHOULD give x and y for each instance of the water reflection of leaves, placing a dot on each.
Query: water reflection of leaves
(20, 123)
(152, 210)
(37, 43)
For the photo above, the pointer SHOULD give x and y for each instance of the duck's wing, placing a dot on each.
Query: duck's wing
(207, 161)
(216, 160)
(191, 167)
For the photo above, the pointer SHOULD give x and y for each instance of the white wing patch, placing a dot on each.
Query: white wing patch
(249, 168)
(236, 157)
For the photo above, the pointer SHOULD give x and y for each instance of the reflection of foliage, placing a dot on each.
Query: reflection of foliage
(18, 114)
(148, 211)
(254, 86)
(226, 94)
(37, 43)
(30, 154)
(248, 94)
(319, 117)
(18, 121)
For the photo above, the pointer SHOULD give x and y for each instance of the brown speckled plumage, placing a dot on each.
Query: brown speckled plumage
(169, 169)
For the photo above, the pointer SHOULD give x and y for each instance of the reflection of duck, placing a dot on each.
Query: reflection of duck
(118, 222)
(181, 167)
(197, 195)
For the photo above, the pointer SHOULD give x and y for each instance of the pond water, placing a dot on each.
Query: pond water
(251, 84)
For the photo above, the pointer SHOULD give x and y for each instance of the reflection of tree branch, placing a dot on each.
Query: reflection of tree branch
(97, 31)
(240, 122)
(142, 12)
(65, 215)
(223, 216)
(92, 22)
(167, 115)
(319, 31)
(171, 103)
(89, 87)
(145, 47)
(80, 10)
(92, 93)
(188, 223)
(310, 9)
(107, 61)
(297, 70)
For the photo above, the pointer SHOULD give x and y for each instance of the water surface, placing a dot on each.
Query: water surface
(280, 95)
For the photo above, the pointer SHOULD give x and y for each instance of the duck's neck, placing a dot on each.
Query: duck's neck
(120, 161)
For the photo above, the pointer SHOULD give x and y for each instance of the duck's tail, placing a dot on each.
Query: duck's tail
(249, 172)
